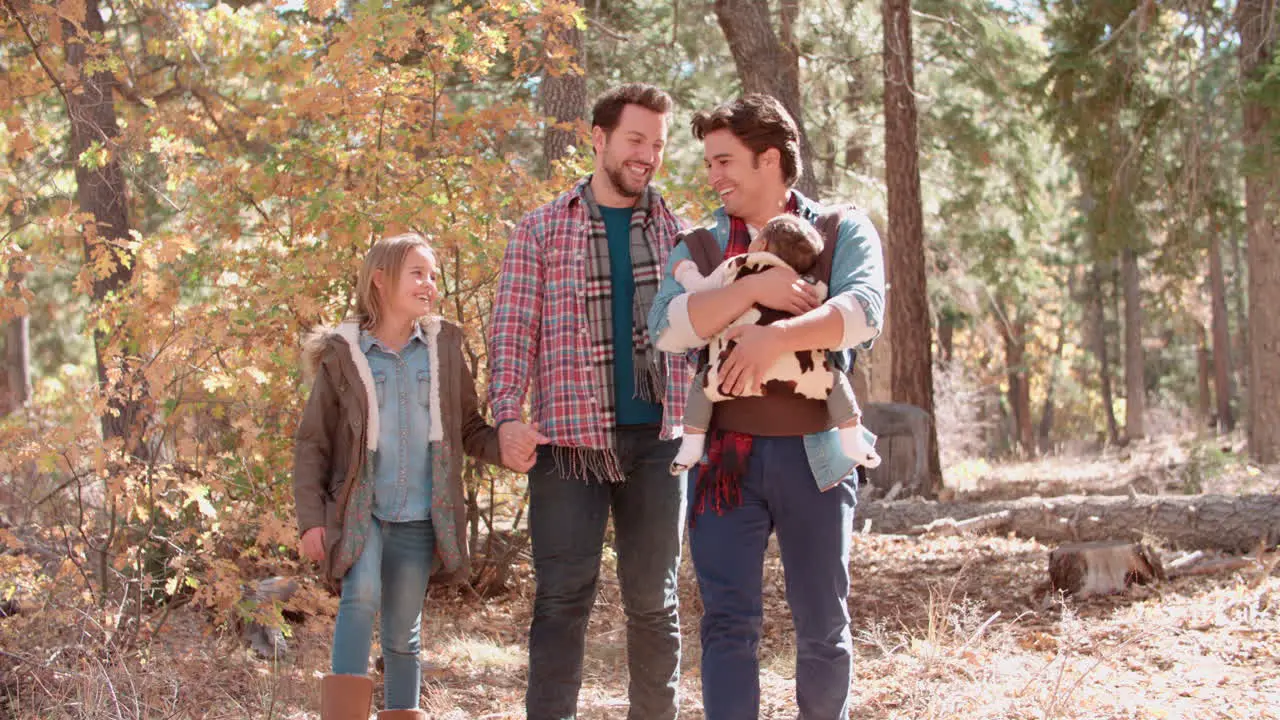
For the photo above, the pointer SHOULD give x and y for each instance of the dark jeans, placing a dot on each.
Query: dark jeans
(814, 535)
(567, 518)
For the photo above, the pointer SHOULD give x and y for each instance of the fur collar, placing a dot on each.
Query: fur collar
(348, 333)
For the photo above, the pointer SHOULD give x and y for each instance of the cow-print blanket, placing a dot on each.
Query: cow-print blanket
(806, 373)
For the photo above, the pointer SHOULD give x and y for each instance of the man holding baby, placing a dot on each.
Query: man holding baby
(777, 461)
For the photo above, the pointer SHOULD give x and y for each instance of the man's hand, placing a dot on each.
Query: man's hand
(313, 544)
(519, 443)
(781, 289)
(758, 348)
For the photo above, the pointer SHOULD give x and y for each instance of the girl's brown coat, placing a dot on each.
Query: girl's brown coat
(333, 441)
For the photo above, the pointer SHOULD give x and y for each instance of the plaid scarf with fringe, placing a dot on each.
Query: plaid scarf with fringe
(650, 372)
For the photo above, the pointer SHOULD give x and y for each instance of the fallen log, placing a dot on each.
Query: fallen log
(1185, 561)
(1234, 523)
(1213, 567)
(972, 526)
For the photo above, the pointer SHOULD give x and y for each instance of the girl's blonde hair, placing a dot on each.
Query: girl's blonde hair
(387, 255)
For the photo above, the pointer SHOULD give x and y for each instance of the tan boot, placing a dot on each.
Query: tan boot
(345, 697)
(402, 715)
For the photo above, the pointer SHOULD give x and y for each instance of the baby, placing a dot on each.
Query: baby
(784, 240)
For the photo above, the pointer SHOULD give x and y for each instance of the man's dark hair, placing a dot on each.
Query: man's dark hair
(760, 122)
(795, 241)
(608, 107)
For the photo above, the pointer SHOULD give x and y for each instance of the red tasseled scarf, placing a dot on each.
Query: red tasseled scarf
(720, 477)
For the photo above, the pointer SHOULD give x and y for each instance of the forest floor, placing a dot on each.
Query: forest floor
(943, 628)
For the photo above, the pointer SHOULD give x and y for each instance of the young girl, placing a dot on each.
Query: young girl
(378, 470)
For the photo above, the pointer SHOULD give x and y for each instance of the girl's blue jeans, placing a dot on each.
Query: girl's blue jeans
(390, 575)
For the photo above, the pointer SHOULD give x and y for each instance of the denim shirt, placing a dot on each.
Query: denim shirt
(401, 466)
(857, 291)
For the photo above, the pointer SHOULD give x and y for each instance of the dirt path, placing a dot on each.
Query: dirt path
(943, 628)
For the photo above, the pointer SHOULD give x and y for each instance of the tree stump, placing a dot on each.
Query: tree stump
(903, 432)
(267, 640)
(1102, 568)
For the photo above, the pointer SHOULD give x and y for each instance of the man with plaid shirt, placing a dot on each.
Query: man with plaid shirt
(570, 326)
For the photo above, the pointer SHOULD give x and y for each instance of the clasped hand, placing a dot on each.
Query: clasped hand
(518, 442)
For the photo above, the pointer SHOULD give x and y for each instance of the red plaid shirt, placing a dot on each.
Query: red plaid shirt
(538, 333)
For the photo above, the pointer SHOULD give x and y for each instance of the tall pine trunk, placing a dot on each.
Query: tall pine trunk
(768, 62)
(912, 337)
(16, 340)
(1045, 432)
(1015, 350)
(946, 337)
(1240, 343)
(1135, 385)
(1258, 26)
(1204, 396)
(1098, 322)
(17, 365)
(562, 94)
(1221, 336)
(101, 193)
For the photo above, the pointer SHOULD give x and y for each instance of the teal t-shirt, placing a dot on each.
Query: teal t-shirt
(631, 410)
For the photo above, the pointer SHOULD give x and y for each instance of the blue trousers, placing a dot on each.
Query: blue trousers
(567, 518)
(814, 535)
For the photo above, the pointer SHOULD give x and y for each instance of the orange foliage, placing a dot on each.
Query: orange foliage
(264, 152)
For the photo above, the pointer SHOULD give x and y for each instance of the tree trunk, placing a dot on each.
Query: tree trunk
(17, 365)
(946, 337)
(100, 192)
(1221, 336)
(1134, 358)
(1097, 309)
(912, 336)
(1240, 343)
(562, 95)
(903, 432)
(1204, 399)
(1051, 384)
(1258, 25)
(769, 63)
(17, 359)
(1015, 348)
(1222, 522)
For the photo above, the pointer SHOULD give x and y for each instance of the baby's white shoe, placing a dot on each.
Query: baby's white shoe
(859, 444)
(690, 452)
